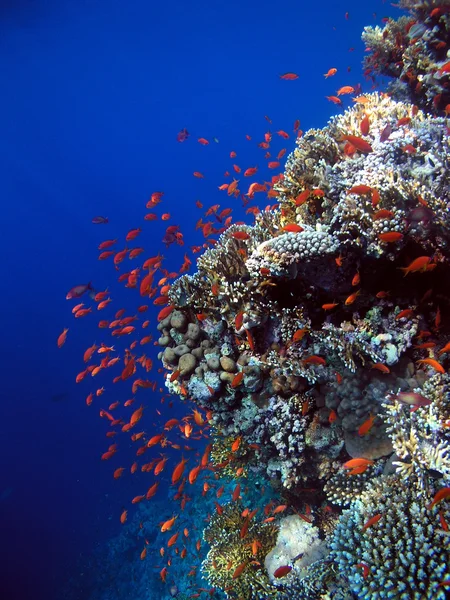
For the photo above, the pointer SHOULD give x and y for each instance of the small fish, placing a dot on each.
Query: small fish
(332, 416)
(350, 299)
(100, 220)
(289, 76)
(365, 569)
(367, 425)
(167, 525)
(359, 143)
(419, 264)
(292, 228)
(330, 73)
(372, 521)
(442, 494)
(240, 235)
(235, 445)
(346, 89)
(390, 236)
(282, 571)
(237, 379)
(329, 306)
(334, 99)
(412, 398)
(384, 136)
(357, 462)
(78, 290)
(62, 338)
(433, 364)
(182, 135)
(381, 367)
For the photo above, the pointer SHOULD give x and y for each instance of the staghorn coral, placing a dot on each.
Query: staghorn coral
(405, 553)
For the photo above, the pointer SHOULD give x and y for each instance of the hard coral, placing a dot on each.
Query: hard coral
(406, 555)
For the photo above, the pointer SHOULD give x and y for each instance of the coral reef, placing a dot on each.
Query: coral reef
(414, 51)
(325, 338)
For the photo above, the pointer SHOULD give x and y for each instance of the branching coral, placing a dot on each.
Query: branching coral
(403, 555)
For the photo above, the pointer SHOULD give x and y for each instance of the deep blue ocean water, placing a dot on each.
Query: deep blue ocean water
(93, 95)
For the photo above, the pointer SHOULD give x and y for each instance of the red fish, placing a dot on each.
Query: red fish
(282, 571)
(358, 143)
(62, 338)
(289, 76)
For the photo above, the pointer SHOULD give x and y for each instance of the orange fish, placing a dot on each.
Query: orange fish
(442, 494)
(173, 539)
(334, 99)
(167, 525)
(372, 521)
(292, 228)
(329, 306)
(240, 235)
(178, 471)
(118, 472)
(62, 338)
(364, 126)
(367, 425)
(346, 89)
(352, 298)
(314, 360)
(419, 264)
(381, 367)
(357, 462)
(123, 516)
(239, 570)
(237, 379)
(236, 493)
(404, 314)
(235, 445)
(330, 73)
(152, 490)
(390, 236)
(358, 143)
(365, 569)
(432, 363)
(289, 76)
(382, 214)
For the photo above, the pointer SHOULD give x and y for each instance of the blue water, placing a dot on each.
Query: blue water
(93, 95)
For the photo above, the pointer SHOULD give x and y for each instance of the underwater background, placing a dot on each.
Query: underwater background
(94, 94)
